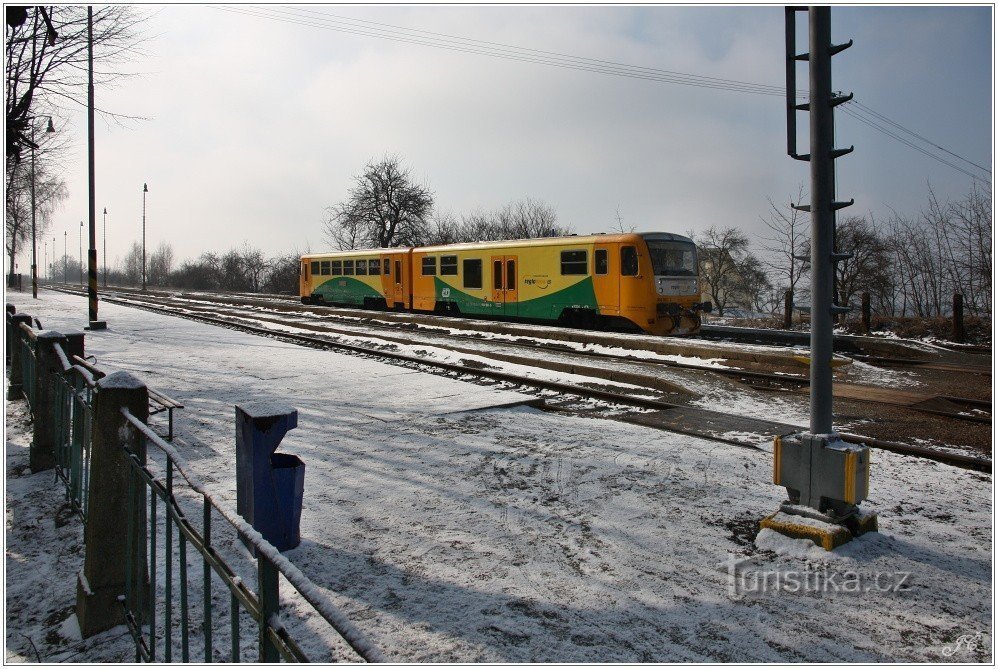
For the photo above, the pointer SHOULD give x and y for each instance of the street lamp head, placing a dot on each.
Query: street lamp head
(145, 188)
(105, 210)
(50, 128)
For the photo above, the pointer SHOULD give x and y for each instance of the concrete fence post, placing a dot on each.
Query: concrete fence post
(11, 310)
(959, 332)
(105, 567)
(47, 365)
(866, 314)
(15, 388)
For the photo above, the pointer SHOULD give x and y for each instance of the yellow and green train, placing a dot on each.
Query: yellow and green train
(643, 280)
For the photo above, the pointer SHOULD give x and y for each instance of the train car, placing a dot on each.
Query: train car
(643, 280)
(372, 278)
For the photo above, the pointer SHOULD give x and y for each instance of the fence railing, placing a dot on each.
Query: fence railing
(26, 340)
(100, 449)
(73, 424)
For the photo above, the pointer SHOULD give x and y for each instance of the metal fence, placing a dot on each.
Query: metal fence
(150, 492)
(162, 614)
(72, 416)
(26, 340)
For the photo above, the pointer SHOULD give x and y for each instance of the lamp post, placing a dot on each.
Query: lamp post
(45, 257)
(92, 209)
(34, 245)
(81, 253)
(105, 247)
(52, 268)
(65, 257)
(145, 189)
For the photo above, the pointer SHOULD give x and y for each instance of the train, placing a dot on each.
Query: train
(644, 281)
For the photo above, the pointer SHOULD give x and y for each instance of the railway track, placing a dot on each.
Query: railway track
(713, 337)
(620, 399)
(965, 409)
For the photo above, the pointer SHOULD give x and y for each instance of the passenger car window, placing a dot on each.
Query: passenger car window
(574, 262)
(388, 266)
(628, 261)
(348, 268)
(361, 267)
(601, 261)
(325, 268)
(337, 268)
(497, 275)
(473, 273)
(315, 267)
(374, 266)
(429, 266)
(448, 265)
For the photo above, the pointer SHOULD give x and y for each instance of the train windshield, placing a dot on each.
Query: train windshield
(673, 258)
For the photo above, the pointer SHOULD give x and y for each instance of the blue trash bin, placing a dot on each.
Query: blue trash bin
(269, 486)
(288, 475)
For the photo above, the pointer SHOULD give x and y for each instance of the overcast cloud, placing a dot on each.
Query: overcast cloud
(255, 126)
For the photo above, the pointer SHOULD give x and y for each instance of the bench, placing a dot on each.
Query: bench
(165, 403)
(158, 402)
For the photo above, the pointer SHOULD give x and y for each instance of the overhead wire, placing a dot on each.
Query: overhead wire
(886, 131)
(314, 18)
(508, 52)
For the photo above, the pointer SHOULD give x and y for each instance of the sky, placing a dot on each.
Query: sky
(252, 126)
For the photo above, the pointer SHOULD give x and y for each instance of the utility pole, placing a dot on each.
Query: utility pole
(145, 189)
(105, 247)
(92, 237)
(826, 478)
(34, 244)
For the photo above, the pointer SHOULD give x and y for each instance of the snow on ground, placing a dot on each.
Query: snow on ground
(454, 532)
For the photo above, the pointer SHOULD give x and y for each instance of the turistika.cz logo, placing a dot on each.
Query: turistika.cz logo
(745, 579)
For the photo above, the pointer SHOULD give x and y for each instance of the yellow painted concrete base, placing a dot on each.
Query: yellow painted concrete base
(827, 535)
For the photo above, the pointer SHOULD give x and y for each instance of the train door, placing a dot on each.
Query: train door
(512, 294)
(606, 278)
(504, 284)
(303, 289)
(398, 280)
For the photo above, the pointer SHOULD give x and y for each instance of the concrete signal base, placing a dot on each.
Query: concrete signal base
(818, 528)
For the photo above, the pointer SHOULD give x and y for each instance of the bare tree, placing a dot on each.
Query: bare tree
(160, 265)
(867, 269)
(50, 191)
(283, 275)
(46, 60)
(721, 253)
(620, 223)
(787, 243)
(385, 208)
(255, 267)
(132, 265)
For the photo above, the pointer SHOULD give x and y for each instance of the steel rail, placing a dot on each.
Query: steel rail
(233, 312)
(954, 459)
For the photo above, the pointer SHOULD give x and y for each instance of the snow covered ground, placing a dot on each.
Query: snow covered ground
(453, 527)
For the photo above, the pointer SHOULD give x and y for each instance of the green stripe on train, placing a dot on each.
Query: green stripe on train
(580, 295)
(345, 290)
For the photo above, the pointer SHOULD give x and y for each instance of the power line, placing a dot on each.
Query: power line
(915, 134)
(769, 87)
(886, 131)
(508, 52)
(323, 20)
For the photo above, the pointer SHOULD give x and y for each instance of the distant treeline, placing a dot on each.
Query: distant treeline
(245, 270)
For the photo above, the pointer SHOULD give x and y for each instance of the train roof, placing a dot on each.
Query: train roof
(516, 243)
(351, 253)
